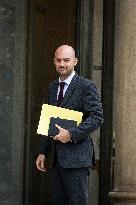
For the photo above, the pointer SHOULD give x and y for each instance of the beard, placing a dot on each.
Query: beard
(64, 72)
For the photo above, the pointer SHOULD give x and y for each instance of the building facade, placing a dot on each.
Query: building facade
(103, 34)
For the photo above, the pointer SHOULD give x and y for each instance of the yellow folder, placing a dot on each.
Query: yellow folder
(49, 111)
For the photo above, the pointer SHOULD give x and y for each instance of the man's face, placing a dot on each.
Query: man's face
(65, 61)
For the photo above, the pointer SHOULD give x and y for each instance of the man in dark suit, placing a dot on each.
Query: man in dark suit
(71, 150)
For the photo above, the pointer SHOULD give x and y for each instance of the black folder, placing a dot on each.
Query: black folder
(64, 123)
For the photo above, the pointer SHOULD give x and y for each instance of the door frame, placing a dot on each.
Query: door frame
(106, 139)
(84, 33)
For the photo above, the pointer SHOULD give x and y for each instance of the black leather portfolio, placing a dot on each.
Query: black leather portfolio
(64, 123)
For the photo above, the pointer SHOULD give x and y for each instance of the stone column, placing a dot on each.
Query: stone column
(12, 99)
(124, 190)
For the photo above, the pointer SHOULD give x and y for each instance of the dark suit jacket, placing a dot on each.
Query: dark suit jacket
(81, 95)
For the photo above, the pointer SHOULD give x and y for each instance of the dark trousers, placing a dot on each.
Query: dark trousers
(69, 186)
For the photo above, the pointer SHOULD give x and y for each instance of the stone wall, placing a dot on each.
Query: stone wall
(12, 51)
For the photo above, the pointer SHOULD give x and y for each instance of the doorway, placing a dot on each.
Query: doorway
(50, 24)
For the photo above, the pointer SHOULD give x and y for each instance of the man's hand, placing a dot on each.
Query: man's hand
(40, 162)
(63, 136)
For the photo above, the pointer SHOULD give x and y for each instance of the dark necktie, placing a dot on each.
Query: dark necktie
(60, 96)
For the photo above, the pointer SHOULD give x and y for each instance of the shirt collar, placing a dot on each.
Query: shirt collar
(68, 80)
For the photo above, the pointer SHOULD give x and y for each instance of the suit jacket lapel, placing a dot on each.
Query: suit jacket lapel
(54, 93)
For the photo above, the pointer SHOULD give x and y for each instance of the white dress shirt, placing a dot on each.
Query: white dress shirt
(67, 82)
